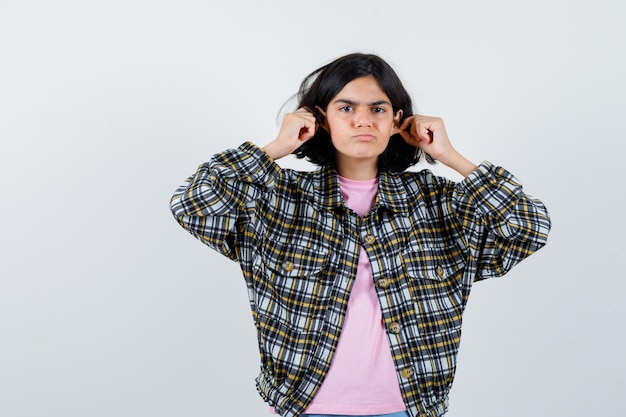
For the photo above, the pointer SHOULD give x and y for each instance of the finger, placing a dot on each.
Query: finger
(426, 135)
(303, 111)
(417, 126)
(306, 115)
(307, 130)
(306, 134)
(395, 130)
(406, 124)
(411, 139)
(406, 136)
(422, 131)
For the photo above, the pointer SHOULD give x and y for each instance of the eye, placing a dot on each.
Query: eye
(378, 109)
(345, 108)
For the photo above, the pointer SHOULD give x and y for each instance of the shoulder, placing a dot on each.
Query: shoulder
(292, 178)
(423, 179)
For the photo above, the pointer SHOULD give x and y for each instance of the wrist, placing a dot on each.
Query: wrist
(275, 150)
(458, 162)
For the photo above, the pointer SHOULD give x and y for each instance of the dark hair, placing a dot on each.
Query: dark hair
(320, 86)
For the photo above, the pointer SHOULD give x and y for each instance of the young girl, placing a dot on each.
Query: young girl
(358, 273)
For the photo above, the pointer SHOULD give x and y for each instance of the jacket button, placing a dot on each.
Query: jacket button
(439, 271)
(394, 327)
(407, 372)
(369, 239)
(288, 266)
(382, 283)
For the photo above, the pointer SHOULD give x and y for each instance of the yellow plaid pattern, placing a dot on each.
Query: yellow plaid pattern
(428, 240)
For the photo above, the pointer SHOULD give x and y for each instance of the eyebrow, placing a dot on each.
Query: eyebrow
(352, 103)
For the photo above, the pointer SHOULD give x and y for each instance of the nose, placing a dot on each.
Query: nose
(362, 118)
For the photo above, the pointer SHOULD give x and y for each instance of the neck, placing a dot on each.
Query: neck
(357, 170)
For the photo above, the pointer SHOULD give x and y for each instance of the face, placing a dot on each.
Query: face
(360, 121)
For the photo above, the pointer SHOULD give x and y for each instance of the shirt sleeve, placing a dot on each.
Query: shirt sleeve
(503, 224)
(217, 198)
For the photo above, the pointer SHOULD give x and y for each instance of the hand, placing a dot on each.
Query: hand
(426, 133)
(296, 128)
(429, 134)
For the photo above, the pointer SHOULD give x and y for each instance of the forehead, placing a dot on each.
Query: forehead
(362, 89)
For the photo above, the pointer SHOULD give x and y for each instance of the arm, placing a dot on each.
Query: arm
(502, 224)
(429, 134)
(211, 203)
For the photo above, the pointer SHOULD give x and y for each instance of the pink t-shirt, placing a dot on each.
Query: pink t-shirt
(362, 377)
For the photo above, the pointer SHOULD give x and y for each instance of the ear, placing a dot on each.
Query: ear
(396, 122)
(323, 122)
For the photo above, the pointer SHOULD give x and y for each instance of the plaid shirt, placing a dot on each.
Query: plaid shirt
(427, 238)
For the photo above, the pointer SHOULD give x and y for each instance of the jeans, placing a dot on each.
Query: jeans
(399, 414)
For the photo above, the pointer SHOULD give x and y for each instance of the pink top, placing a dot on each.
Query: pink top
(362, 377)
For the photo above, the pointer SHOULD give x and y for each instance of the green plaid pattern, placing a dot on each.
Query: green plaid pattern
(427, 238)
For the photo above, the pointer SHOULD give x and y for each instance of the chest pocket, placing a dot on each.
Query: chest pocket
(437, 263)
(292, 283)
(294, 261)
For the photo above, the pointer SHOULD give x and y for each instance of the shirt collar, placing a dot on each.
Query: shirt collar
(392, 192)
(325, 191)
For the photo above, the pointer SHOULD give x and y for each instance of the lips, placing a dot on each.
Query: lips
(364, 137)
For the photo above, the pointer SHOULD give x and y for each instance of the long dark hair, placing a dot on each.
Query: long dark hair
(320, 86)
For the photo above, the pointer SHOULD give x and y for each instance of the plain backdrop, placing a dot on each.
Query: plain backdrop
(109, 309)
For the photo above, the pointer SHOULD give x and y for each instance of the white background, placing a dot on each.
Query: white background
(109, 309)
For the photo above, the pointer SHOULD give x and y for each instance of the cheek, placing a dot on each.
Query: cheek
(336, 129)
(388, 128)
(335, 123)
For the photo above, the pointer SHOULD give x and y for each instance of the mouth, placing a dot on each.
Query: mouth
(364, 137)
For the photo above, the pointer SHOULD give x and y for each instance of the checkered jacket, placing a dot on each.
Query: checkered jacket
(427, 238)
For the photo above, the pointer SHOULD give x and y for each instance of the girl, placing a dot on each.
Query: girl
(358, 273)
